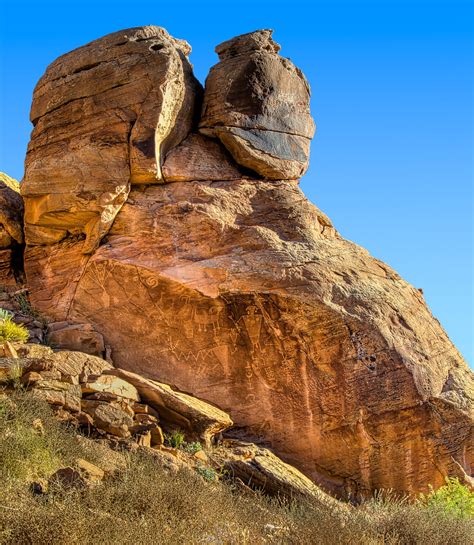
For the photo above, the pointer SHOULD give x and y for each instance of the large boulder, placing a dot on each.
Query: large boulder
(178, 409)
(104, 116)
(259, 468)
(257, 103)
(242, 293)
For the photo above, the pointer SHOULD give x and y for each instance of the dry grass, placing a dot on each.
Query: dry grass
(26, 454)
(145, 504)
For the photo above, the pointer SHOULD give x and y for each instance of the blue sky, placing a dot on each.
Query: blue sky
(392, 82)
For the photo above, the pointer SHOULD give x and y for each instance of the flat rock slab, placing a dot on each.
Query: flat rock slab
(111, 385)
(261, 469)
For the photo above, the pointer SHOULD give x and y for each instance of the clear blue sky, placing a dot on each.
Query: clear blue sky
(392, 82)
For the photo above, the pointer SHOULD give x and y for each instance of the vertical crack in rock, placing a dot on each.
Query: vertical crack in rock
(81, 158)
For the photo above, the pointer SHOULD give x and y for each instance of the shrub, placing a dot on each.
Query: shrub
(25, 306)
(24, 453)
(193, 447)
(13, 380)
(207, 473)
(5, 314)
(9, 331)
(174, 439)
(401, 521)
(453, 498)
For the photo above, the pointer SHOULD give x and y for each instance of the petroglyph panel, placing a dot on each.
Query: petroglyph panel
(212, 288)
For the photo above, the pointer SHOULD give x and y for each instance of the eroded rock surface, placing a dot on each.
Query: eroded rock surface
(11, 228)
(240, 292)
(200, 158)
(104, 116)
(257, 103)
(260, 469)
(198, 418)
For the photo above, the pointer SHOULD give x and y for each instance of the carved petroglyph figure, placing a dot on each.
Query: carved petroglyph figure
(253, 325)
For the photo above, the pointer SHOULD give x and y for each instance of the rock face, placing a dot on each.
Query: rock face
(104, 116)
(238, 290)
(11, 228)
(199, 158)
(257, 103)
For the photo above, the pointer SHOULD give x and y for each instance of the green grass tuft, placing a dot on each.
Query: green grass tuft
(192, 448)
(207, 473)
(174, 439)
(9, 331)
(453, 498)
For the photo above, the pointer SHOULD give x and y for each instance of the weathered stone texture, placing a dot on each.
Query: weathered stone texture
(200, 158)
(11, 227)
(307, 341)
(104, 115)
(257, 103)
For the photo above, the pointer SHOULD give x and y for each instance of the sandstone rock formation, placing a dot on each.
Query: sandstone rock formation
(230, 287)
(104, 117)
(197, 418)
(257, 103)
(260, 469)
(87, 392)
(11, 229)
(199, 158)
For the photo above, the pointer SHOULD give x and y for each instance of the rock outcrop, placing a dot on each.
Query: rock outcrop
(257, 103)
(11, 229)
(233, 287)
(260, 469)
(89, 392)
(200, 420)
(90, 395)
(104, 116)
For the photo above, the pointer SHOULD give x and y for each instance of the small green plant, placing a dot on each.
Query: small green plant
(453, 498)
(9, 331)
(175, 439)
(193, 447)
(13, 380)
(208, 473)
(5, 314)
(25, 306)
